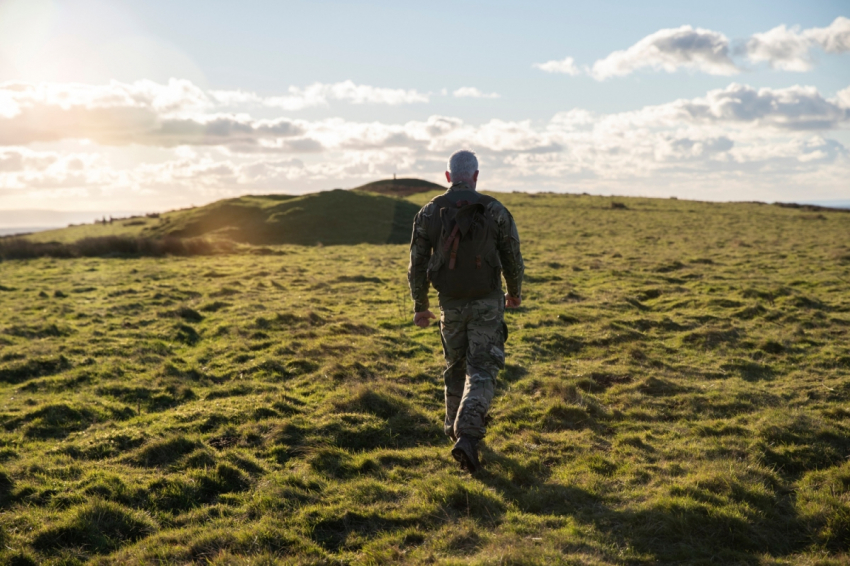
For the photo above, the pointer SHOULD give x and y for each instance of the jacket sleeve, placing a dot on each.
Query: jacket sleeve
(508, 245)
(420, 254)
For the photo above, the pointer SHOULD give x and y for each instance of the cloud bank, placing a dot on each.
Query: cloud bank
(181, 114)
(707, 51)
(61, 140)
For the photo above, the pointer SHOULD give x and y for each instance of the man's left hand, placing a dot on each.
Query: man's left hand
(423, 319)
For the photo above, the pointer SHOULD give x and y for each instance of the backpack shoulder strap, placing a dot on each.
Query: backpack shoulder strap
(442, 201)
(485, 200)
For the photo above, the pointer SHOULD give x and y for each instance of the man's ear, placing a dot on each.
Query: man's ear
(475, 177)
(448, 177)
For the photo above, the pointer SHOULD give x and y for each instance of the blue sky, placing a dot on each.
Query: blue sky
(719, 113)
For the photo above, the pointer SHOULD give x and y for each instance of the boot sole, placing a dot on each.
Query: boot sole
(464, 461)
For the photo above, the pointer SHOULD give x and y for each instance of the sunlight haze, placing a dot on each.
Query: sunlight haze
(147, 106)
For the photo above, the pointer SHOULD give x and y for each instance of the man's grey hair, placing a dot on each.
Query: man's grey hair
(462, 165)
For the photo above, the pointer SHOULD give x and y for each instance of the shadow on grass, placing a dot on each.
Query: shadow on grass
(99, 527)
(446, 499)
(525, 486)
(794, 444)
(363, 419)
(58, 420)
(33, 368)
(352, 529)
(200, 487)
(748, 370)
(680, 530)
(685, 528)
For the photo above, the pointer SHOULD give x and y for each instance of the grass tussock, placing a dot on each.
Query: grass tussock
(676, 392)
(98, 527)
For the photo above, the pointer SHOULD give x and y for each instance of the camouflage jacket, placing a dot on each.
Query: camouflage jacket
(507, 242)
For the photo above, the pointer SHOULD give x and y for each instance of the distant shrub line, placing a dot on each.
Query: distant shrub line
(811, 207)
(110, 246)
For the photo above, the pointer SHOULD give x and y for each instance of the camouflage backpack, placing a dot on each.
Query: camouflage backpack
(465, 263)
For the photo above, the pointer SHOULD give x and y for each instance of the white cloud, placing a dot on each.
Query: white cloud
(235, 97)
(843, 98)
(144, 112)
(148, 105)
(790, 49)
(796, 107)
(320, 94)
(22, 169)
(472, 92)
(670, 50)
(175, 97)
(834, 38)
(566, 66)
(784, 48)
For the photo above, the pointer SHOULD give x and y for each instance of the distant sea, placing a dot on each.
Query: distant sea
(829, 203)
(38, 220)
(26, 230)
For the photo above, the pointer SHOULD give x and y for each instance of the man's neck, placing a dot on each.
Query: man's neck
(463, 186)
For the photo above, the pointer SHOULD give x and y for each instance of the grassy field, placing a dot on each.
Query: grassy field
(676, 392)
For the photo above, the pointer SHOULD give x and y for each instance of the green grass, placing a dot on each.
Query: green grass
(676, 392)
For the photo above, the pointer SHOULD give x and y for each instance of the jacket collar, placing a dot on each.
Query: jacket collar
(462, 186)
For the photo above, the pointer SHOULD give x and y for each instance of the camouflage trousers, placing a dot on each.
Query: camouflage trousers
(474, 347)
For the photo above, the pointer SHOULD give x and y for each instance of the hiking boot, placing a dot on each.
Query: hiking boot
(465, 451)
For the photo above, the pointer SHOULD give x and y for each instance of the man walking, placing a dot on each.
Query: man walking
(462, 243)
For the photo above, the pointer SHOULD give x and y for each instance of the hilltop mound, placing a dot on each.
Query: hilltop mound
(400, 187)
(332, 218)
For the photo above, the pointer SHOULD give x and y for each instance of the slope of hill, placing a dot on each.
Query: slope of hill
(676, 392)
(331, 217)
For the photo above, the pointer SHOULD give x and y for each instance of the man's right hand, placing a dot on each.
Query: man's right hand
(423, 319)
(512, 302)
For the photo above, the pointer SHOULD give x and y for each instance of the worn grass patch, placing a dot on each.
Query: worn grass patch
(676, 392)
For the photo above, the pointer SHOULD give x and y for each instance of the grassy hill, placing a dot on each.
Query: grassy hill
(331, 217)
(676, 392)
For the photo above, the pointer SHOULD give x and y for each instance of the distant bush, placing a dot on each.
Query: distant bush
(21, 248)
